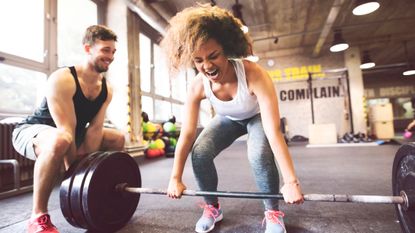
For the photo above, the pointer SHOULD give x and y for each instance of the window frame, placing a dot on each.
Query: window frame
(155, 38)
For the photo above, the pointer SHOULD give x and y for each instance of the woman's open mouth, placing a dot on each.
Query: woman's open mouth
(212, 74)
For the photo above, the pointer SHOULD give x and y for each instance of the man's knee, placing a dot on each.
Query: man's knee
(113, 140)
(119, 140)
(60, 141)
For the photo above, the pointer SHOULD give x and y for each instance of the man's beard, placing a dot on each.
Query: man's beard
(99, 68)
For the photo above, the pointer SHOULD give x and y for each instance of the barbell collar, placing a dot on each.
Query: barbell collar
(406, 205)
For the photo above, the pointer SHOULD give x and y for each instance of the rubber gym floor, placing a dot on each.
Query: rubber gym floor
(340, 170)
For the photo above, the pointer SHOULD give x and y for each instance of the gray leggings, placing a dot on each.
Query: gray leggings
(221, 133)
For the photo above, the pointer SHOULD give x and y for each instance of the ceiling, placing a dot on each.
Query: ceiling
(306, 26)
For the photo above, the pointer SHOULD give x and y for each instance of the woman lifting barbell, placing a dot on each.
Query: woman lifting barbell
(243, 97)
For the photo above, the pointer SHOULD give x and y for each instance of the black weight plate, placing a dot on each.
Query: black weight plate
(77, 186)
(403, 179)
(106, 209)
(67, 186)
(408, 185)
(64, 193)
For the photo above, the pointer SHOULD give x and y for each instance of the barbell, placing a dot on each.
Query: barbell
(101, 191)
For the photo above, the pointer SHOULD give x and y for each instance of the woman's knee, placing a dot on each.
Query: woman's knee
(258, 144)
(201, 152)
(260, 153)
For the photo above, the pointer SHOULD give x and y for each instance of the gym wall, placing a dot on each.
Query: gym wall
(290, 74)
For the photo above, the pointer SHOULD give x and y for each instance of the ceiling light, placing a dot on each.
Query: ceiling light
(367, 63)
(364, 7)
(270, 62)
(410, 70)
(339, 44)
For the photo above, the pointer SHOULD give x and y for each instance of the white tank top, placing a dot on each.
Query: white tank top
(243, 106)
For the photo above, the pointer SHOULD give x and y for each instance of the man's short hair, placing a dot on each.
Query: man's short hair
(99, 32)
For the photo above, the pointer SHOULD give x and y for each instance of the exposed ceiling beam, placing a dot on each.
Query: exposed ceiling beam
(148, 14)
(165, 9)
(331, 18)
(382, 68)
(344, 28)
(397, 38)
(307, 19)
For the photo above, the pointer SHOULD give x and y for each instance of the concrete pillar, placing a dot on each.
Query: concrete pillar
(352, 62)
(117, 74)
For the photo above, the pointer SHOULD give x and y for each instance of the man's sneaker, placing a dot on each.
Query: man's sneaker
(211, 215)
(42, 224)
(274, 221)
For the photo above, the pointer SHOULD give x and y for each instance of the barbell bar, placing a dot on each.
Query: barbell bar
(373, 199)
(101, 192)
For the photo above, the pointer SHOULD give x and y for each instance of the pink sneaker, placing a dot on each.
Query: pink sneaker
(42, 224)
(211, 215)
(274, 221)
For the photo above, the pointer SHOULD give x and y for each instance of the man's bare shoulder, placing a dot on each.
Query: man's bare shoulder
(61, 74)
(62, 80)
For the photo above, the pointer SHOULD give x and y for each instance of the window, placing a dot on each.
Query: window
(21, 89)
(162, 110)
(161, 73)
(178, 112)
(74, 17)
(178, 83)
(145, 62)
(162, 96)
(22, 25)
(147, 106)
(23, 71)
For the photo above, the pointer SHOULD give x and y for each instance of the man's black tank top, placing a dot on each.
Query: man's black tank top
(85, 109)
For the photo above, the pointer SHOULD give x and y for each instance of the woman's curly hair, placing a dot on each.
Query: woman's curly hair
(193, 26)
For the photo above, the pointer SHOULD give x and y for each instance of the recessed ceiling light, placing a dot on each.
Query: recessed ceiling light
(364, 7)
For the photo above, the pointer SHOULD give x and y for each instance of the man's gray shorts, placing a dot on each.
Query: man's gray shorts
(23, 138)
